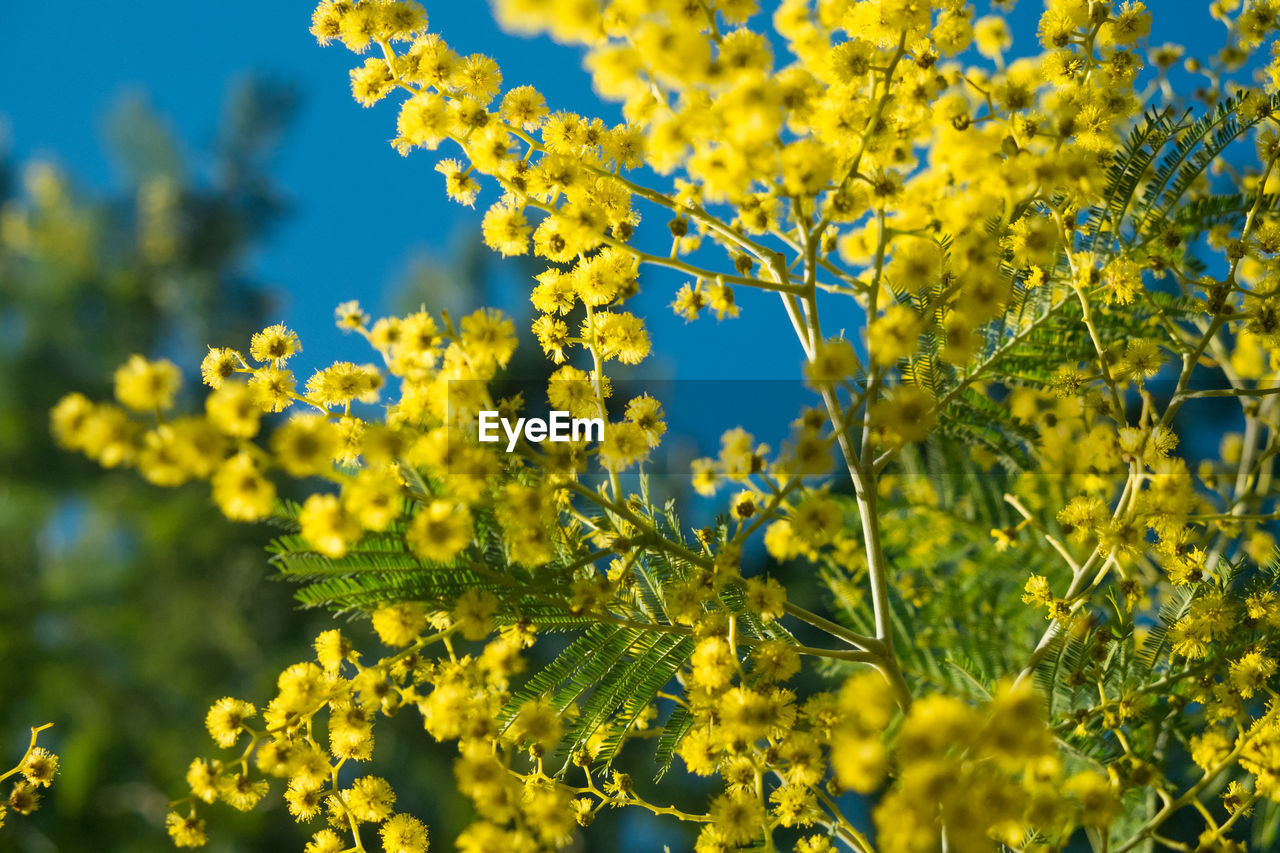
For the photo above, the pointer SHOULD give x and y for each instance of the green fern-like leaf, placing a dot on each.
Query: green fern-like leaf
(678, 725)
(1126, 172)
(620, 711)
(976, 420)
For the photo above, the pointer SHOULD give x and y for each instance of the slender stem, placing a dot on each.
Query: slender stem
(699, 272)
(840, 632)
(1231, 392)
(1013, 501)
(1186, 798)
(35, 734)
(1079, 580)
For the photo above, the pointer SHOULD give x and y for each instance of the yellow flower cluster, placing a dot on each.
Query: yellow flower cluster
(975, 776)
(350, 696)
(441, 375)
(35, 771)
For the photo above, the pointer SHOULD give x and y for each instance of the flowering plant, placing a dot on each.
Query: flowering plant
(1048, 618)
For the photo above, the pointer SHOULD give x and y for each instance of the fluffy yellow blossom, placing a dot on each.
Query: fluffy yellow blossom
(399, 624)
(186, 831)
(275, 344)
(143, 385)
(440, 530)
(241, 491)
(226, 718)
